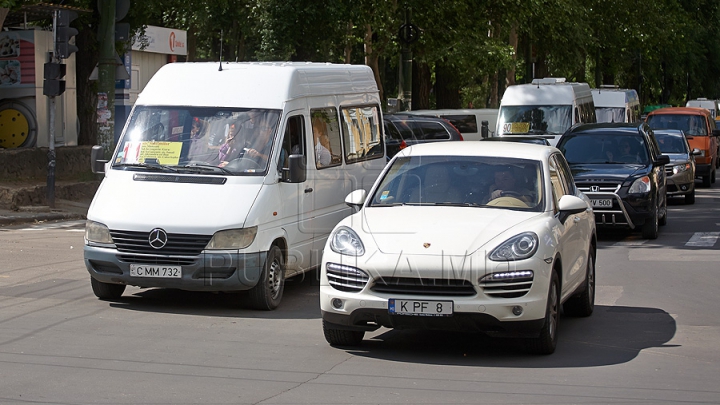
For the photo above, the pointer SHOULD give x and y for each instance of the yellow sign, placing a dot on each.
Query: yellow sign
(166, 153)
(520, 128)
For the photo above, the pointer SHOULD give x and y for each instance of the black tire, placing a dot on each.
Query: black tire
(267, 293)
(546, 342)
(342, 337)
(662, 221)
(706, 181)
(583, 304)
(650, 229)
(712, 177)
(690, 197)
(107, 291)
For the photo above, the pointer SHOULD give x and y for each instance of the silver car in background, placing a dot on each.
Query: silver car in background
(681, 170)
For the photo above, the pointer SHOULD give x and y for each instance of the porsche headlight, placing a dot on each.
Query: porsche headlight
(232, 239)
(96, 232)
(346, 242)
(681, 168)
(641, 185)
(518, 247)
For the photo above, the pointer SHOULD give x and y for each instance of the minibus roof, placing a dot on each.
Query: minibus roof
(614, 97)
(252, 84)
(545, 93)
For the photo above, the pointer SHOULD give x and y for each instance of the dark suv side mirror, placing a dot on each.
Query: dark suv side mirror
(662, 160)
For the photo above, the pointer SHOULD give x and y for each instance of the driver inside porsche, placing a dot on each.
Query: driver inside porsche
(506, 185)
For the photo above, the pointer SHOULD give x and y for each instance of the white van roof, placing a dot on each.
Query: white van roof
(614, 97)
(548, 91)
(252, 84)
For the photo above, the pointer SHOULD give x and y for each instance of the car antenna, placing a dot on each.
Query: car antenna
(221, 41)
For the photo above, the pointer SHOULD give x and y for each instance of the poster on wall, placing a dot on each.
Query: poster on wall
(17, 59)
(103, 113)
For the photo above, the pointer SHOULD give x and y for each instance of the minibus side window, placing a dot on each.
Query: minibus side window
(361, 133)
(326, 137)
(293, 141)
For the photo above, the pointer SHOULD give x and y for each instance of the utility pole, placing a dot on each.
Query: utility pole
(408, 34)
(106, 75)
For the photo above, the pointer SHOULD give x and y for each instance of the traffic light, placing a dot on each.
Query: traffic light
(64, 33)
(53, 84)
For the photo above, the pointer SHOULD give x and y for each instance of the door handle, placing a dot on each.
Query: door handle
(309, 190)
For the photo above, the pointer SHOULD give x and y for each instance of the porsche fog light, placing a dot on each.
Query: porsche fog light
(232, 239)
(518, 247)
(97, 233)
(346, 242)
(641, 185)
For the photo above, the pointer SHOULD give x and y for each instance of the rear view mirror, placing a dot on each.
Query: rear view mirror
(296, 172)
(484, 130)
(663, 160)
(97, 159)
(696, 152)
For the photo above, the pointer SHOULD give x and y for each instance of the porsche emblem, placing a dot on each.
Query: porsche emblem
(426, 245)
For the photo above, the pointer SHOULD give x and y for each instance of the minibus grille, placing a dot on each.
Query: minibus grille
(177, 243)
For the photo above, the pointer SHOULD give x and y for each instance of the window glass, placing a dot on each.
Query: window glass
(606, 148)
(535, 119)
(326, 136)
(428, 130)
(361, 131)
(610, 114)
(693, 125)
(557, 185)
(464, 123)
(293, 140)
(565, 174)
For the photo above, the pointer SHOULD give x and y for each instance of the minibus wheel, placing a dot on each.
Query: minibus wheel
(267, 293)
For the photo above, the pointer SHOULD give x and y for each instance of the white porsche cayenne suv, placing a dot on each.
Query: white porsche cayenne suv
(470, 236)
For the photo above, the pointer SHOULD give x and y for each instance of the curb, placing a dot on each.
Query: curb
(17, 218)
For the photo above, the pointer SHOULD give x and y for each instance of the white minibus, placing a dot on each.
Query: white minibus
(545, 108)
(702, 102)
(613, 104)
(230, 177)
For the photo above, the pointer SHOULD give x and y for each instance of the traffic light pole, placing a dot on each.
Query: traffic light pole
(106, 73)
(51, 143)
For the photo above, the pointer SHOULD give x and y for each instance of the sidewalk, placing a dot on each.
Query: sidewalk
(64, 210)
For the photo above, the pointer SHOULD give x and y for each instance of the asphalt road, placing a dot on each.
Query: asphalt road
(653, 338)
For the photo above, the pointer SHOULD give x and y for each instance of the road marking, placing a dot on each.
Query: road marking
(631, 242)
(703, 239)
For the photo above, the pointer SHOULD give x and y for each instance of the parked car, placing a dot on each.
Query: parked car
(467, 121)
(621, 169)
(699, 127)
(403, 130)
(523, 139)
(681, 170)
(462, 236)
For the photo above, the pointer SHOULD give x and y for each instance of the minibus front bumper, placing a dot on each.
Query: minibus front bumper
(208, 271)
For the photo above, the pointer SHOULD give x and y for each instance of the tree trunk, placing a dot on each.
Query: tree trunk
(348, 42)
(447, 93)
(86, 59)
(371, 59)
(421, 85)
(512, 41)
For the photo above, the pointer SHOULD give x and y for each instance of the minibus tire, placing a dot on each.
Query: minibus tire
(267, 293)
(107, 291)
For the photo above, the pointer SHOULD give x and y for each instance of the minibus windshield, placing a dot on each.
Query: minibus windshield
(534, 119)
(610, 114)
(203, 140)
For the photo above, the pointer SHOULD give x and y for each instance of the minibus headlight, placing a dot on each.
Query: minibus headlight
(97, 233)
(232, 239)
(346, 242)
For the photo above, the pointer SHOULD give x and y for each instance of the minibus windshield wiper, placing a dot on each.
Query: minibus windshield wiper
(152, 166)
(205, 168)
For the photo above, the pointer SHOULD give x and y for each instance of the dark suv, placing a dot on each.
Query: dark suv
(620, 168)
(403, 130)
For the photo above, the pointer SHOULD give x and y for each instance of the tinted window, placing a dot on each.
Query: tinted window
(693, 125)
(671, 143)
(429, 130)
(535, 119)
(326, 137)
(464, 123)
(604, 148)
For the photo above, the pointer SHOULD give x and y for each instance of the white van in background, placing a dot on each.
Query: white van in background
(467, 121)
(702, 102)
(546, 108)
(231, 179)
(613, 104)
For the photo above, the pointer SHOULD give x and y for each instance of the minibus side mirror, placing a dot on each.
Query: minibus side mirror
(484, 131)
(296, 171)
(97, 159)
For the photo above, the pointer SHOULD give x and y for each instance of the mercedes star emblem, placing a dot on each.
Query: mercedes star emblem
(158, 238)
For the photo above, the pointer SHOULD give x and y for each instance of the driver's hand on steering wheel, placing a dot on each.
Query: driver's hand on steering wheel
(496, 194)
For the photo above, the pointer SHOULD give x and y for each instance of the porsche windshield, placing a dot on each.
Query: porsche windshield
(463, 181)
(199, 140)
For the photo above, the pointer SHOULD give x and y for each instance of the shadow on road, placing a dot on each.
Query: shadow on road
(612, 335)
(300, 301)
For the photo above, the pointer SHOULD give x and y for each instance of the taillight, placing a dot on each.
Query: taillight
(403, 145)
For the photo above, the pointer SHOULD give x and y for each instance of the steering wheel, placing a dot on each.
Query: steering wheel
(242, 164)
(510, 194)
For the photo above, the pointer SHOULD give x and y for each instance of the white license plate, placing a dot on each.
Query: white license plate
(601, 203)
(420, 308)
(154, 270)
